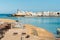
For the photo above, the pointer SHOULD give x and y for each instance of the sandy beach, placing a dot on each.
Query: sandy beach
(33, 32)
(6, 20)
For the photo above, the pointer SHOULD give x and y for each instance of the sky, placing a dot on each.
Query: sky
(10, 6)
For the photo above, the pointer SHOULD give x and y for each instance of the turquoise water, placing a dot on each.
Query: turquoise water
(48, 23)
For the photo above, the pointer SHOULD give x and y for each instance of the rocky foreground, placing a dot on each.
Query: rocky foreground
(28, 32)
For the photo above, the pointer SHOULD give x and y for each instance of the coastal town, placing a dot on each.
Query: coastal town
(29, 19)
(37, 14)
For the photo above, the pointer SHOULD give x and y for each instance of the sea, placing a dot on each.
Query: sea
(48, 23)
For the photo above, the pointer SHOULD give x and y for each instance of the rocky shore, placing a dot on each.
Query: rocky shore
(28, 32)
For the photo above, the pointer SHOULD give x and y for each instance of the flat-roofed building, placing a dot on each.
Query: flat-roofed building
(39, 14)
(46, 13)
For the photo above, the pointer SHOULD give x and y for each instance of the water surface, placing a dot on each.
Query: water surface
(48, 23)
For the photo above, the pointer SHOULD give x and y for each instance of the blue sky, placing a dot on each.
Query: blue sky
(11, 6)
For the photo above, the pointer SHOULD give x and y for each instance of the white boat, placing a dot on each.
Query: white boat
(19, 13)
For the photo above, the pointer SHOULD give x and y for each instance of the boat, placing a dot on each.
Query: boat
(58, 31)
(19, 14)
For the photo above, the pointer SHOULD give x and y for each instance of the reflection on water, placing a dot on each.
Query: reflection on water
(48, 23)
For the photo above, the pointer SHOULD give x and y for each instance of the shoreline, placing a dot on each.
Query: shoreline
(31, 28)
(30, 16)
(6, 20)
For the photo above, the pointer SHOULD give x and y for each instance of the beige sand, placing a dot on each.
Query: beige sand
(7, 20)
(40, 32)
(10, 35)
(35, 33)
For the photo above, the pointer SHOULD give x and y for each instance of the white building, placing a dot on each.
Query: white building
(46, 13)
(39, 14)
(28, 13)
(54, 14)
